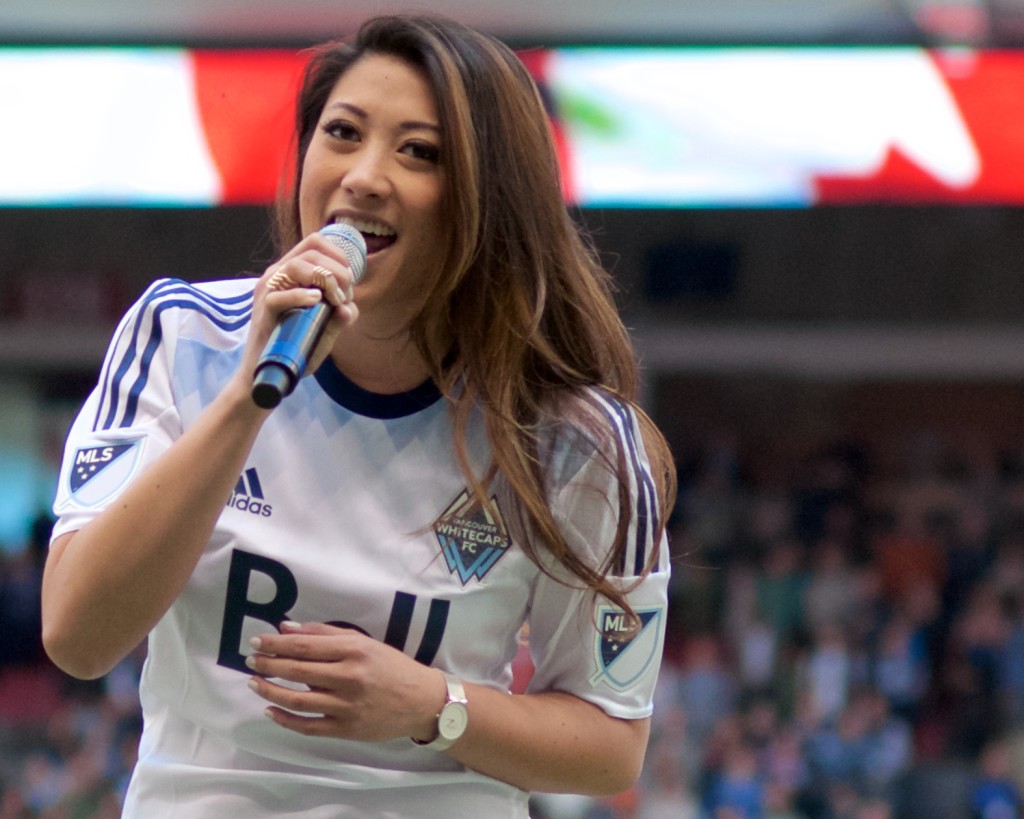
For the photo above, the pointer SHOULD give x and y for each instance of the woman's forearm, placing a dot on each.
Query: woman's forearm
(106, 585)
(552, 742)
(351, 686)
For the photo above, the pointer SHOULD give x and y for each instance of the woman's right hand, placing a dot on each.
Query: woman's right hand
(313, 270)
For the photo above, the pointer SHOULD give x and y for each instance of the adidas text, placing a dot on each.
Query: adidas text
(251, 505)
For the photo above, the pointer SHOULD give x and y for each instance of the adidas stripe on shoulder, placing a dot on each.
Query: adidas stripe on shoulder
(212, 308)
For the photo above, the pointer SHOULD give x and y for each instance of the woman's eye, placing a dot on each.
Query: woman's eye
(341, 129)
(423, 151)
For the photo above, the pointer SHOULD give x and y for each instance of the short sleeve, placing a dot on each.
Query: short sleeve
(581, 643)
(132, 417)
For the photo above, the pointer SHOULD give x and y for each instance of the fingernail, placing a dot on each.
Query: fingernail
(250, 661)
(253, 684)
(256, 643)
(291, 625)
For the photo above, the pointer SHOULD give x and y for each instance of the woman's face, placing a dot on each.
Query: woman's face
(374, 162)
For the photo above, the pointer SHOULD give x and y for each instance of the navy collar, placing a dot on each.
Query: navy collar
(371, 404)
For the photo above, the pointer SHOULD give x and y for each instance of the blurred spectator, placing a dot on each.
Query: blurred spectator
(832, 593)
(970, 553)
(43, 782)
(760, 725)
(785, 766)
(666, 793)
(829, 482)
(736, 790)
(828, 672)
(757, 648)
(909, 554)
(890, 743)
(961, 711)
(710, 502)
(839, 751)
(1011, 665)
(781, 585)
(779, 802)
(705, 689)
(20, 637)
(994, 794)
(771, 517)
(981, 633)
(900, 666)
(670, 733)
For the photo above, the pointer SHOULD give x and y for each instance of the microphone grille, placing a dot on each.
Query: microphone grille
(352, 244)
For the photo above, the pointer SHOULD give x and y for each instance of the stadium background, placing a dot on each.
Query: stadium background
(841, 383)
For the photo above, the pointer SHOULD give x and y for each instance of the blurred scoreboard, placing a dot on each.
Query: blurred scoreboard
(636, 127)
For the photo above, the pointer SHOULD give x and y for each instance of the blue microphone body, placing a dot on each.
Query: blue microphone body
(287, 353)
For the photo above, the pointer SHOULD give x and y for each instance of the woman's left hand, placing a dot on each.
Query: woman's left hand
(358, 688)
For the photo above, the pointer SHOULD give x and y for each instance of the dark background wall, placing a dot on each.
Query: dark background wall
(878, 265)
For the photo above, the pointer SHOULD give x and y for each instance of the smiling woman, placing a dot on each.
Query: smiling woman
(373, 161)
(333, 591)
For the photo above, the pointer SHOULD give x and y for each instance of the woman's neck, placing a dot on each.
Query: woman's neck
(381, 365)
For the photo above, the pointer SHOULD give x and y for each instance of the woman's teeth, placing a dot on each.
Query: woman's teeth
(367, 228)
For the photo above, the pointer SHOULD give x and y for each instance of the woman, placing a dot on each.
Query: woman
(465, 461)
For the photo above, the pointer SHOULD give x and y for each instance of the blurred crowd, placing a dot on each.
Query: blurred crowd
(845, 641)
(846, 636)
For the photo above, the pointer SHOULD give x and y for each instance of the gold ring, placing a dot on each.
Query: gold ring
(280, 281)
(320, 276)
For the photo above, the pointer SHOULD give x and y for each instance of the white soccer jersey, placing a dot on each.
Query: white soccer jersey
(351, 510)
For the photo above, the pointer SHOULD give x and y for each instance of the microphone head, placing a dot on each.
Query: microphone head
(352, 244)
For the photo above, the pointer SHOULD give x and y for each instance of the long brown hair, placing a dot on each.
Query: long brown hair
(521, 314)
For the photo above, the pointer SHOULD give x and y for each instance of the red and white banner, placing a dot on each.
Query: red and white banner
(637, 127)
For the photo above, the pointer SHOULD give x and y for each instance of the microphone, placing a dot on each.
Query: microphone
(287, 353)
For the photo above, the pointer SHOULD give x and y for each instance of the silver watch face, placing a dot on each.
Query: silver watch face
(452, 720)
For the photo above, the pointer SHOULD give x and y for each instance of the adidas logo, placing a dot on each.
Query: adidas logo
(247, 495)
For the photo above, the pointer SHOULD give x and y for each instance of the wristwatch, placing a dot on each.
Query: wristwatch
(453, 717)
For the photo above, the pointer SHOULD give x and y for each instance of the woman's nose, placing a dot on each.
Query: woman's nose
(367, 175)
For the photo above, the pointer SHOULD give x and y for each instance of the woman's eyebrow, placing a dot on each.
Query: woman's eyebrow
(407, 125)
(354, 109)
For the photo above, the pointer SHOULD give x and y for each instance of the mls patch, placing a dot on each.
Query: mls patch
(98, 472)
(472, 538)
(625, 648)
